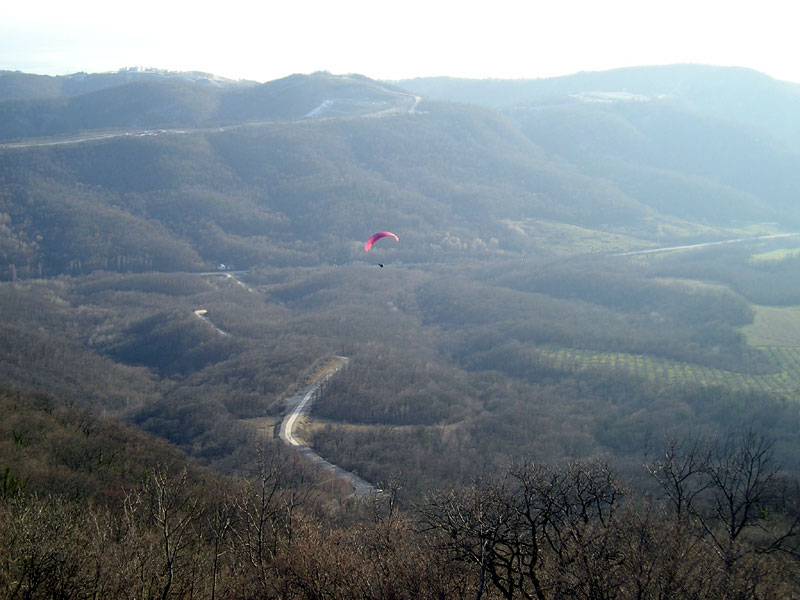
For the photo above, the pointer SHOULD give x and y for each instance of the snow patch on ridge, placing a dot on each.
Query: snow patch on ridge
(608, 97)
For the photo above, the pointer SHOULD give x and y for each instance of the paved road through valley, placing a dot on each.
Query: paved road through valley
(298, 406)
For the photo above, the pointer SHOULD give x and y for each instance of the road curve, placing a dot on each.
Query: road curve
(298, 406)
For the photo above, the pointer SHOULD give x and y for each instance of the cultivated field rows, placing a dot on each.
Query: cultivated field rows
(785, 380)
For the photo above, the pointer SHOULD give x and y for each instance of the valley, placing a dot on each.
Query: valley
(579, 289)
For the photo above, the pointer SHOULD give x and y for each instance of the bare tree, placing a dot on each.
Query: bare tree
(37, 553)
(221, 522)
(470, 525)
(265, 517)
(576, 507)
(729, 492)
(681, 469)
(536, 533)
(174, 510)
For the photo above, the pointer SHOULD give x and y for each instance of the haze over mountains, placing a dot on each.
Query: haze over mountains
(182, 253)
(661, 154)
(512, 206)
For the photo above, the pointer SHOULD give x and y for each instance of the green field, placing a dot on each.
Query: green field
(774, 255)
(775, 331)
(786, 381)
(774, 326)
(564, 239)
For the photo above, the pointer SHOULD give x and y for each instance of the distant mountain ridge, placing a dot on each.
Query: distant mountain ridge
(37, 106)
(15, 85)
(291, 171)
(733, 93)
(40, 105)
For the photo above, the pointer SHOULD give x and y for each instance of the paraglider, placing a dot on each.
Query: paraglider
(376, 236)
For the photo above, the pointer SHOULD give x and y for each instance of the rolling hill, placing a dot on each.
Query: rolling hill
(510, 303)
(593, 274)
(729, 93)
(298, 187)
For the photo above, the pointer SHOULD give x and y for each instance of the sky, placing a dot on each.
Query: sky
(397, 40)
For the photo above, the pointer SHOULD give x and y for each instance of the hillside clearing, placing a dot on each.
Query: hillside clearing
(774, 326)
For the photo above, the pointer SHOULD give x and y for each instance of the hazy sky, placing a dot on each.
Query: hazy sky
(395, 40)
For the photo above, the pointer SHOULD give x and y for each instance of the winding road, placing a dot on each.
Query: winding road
(298, 406)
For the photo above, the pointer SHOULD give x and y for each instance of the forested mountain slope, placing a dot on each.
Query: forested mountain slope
(33, 106)
(179, 254)
(508, 320)
(454, 178)
(730, 93)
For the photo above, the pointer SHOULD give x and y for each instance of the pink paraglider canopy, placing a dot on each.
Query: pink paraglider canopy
(376, 236)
